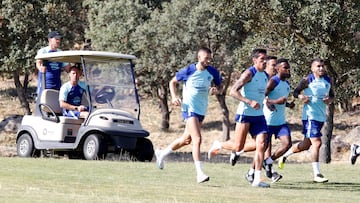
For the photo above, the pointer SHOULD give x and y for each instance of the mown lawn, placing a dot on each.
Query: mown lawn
(63, 180)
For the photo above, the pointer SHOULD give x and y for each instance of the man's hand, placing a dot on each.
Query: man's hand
(214, 90)
(304, 98)
(42, 69)
(176, 101)
(254, 104)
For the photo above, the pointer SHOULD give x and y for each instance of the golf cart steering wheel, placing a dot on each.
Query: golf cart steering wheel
(105, 95)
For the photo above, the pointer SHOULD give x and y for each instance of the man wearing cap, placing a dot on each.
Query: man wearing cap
(52, 70)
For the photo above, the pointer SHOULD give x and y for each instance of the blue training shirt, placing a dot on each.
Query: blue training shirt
(253, 90)
(281, 89)
(53, 72)
(196, 87)
(317, 90)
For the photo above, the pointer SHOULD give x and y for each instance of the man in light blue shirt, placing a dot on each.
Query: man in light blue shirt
(249, 90)
(197, 81)
(317, 93)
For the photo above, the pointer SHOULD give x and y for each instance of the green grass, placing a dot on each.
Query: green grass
(62, 180)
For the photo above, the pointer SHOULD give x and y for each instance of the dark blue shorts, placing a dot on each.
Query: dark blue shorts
(187, 115)
(277, 131)
(312, 128)
(257, 123)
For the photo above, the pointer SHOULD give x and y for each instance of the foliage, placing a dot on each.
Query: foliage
(112, 22)
(302, 30)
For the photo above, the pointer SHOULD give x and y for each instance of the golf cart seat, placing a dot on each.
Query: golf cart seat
(50, 108)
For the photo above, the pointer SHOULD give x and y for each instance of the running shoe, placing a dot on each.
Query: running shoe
(202, 178)
(282, 162)
(159, 160)
(275, 177)
(249, 177)
(260, 184)
(353, 155)
(233, 158)
(214, 150)
(319, 178)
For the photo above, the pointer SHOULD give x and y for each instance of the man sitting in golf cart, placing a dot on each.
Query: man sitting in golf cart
(71, 94)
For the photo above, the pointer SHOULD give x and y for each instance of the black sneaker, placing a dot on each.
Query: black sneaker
(268, 168)
(275, 177)
(249, 178)
(233, 158)
(353, 155)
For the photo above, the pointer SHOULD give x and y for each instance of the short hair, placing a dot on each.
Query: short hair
(75, 66)
(316, 60)
(282, 60)
(205, 49)
(256, 52)
(271, 58)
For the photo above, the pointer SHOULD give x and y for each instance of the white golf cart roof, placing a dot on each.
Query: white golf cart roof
(74, 56)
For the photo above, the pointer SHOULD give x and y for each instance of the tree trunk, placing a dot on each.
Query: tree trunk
(325, 150)
(165, 114)
(21, 93)
(225, 117)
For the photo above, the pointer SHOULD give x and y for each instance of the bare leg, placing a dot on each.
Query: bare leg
(241, 131)
(285, 145)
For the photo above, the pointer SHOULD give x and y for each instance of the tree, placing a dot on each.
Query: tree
(180, 29)
(27, 31)
(302, 30)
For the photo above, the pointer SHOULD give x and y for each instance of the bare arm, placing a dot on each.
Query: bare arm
(175, 100)
(40, 66)
(301, 86)
(68, 106)
(235, 90)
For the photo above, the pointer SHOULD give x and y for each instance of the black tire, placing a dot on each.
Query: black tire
(144, 150)
(25, 146)
(94, 147)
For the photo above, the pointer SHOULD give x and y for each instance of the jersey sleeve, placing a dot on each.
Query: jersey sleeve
(216, 75)
(63, 92)
(184, 73)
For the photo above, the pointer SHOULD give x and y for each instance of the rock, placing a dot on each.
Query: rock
(11, 123)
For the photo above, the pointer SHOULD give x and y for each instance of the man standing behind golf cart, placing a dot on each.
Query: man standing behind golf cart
(71, 94)
(51, 70)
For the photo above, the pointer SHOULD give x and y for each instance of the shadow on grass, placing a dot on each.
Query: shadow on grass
(309, 185)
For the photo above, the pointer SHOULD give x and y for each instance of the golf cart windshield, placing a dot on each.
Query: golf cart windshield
(112, 85)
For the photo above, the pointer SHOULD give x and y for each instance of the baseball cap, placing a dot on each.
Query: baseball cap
(54, 34)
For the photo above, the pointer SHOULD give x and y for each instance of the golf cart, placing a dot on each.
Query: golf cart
(112, 125)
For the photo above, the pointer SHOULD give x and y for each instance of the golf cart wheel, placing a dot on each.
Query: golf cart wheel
(144, 150)
(94, 147)
(25, 146)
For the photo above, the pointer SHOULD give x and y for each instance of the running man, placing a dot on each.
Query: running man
(197, 79)
(317, 93)
(249, 90)
(277, 90)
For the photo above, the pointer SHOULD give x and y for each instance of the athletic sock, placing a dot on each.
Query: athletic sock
(238, 153)
(198, 167)
(251, 171)
(316, 168)
(288, 152)
(166, 152)
(257, 176)
(269, 160)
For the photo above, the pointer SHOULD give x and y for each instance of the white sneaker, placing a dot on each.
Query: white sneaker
(159, 161)
(214, 150)
(202, 178)
(260, 184)
(319, 178)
